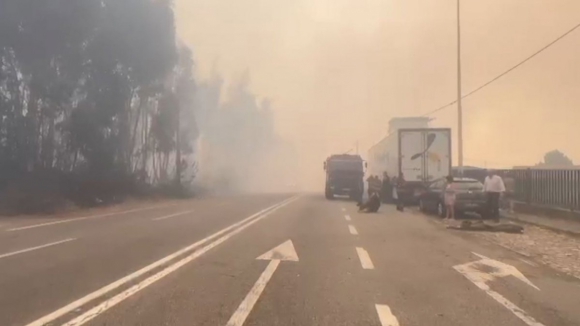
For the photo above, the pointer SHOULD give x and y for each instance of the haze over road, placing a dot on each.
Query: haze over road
(268, 260)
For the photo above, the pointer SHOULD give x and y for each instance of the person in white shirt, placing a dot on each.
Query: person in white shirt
(493, 187)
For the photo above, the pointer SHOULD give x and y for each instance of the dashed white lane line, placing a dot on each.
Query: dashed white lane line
(352, 230)
(343, 209)
(528, 262)
(35, 248)
(347, 217)
(365, 259)
(386, 316)
(86, 218)
(171, 215)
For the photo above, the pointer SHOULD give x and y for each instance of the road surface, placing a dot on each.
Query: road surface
(268, 260)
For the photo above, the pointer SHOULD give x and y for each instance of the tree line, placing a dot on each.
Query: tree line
(96, 96)
(240, 148)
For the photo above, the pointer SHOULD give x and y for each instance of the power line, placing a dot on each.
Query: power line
(505, 72)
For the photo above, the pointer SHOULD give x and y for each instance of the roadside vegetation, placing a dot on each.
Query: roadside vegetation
(90, 94)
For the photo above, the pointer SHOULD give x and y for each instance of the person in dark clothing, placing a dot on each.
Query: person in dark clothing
(386, 191)
(372, 205)
(400, 192)
(374, 185)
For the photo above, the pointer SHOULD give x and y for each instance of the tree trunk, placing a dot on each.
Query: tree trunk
(178, 154)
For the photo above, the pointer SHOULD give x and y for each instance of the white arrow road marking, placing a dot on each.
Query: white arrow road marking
(347, 217)
(503, 270)
(285, 252)
(352, 230)
(223, 235)
(35, 248)
(386, 316)
(477, 272)
(365, 259)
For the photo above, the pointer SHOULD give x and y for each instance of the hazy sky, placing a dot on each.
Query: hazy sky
(338, 70)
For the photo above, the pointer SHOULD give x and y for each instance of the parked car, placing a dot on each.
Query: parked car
(470, 197)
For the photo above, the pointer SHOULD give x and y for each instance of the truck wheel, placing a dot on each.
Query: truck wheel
(328, 194)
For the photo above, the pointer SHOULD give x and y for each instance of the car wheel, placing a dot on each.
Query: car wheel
(441, 210)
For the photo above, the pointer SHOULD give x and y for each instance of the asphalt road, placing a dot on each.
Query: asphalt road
(321, 263)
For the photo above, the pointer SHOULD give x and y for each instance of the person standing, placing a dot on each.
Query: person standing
(493, 187)
(399, 192)
(367, 193)
(449, 197)
(385, 189)
(376, 185)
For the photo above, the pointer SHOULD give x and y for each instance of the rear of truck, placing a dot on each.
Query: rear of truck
(424, 156)
(344, 176)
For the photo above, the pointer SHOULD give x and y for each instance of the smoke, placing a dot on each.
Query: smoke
(338, 70)
(239, 150)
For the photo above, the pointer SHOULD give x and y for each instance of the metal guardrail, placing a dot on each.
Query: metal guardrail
(556, 188)
(546, 187)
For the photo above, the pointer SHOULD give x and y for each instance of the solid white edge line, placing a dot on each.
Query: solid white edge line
(100, 292)
(86, 218)
(519, 312)
(365, 259)
(528, 262)
(171, 215)
(244, 309)
(347, 217)
(352, 230)
(35, 248)
(386, 316)
(109, 303)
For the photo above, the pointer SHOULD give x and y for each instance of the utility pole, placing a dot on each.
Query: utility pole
(459, 108)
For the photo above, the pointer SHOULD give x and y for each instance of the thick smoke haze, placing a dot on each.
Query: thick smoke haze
(338, 70)
(239, 150)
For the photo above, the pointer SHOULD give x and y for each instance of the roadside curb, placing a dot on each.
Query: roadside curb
(543, 226)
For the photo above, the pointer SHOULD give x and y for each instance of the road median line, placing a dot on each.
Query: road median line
(172, 215)
(365, 259)
(88, 217)
(92, 313)
(35, 248)
(352, 230)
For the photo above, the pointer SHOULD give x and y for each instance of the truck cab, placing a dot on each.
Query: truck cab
(344, 176)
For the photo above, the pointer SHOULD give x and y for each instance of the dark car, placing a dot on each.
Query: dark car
(470, 197)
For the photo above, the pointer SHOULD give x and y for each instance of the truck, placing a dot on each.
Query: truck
(421, 154)
(424, 154)
(384, 156)
(344, 176)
